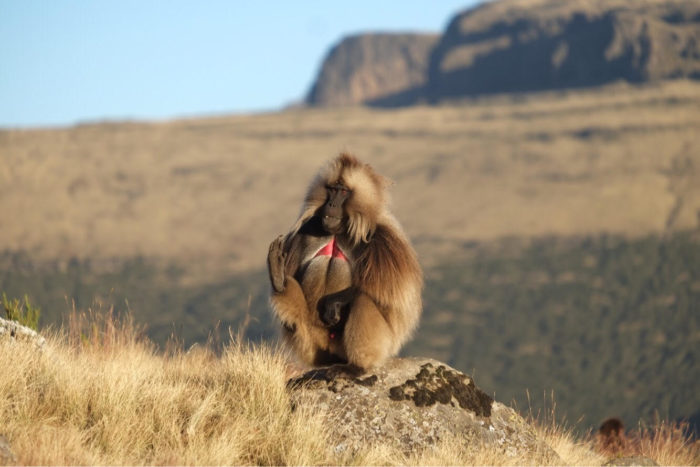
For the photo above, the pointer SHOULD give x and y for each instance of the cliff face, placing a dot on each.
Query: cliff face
(364, 67)
(514, 46)
(524, 45)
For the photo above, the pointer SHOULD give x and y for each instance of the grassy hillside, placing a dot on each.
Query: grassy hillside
(103, 397)
(100, 395)
(607, 323)
(610, 325)
(558, 231)
(210, 194)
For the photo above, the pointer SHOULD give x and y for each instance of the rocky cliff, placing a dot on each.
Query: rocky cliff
(517, 46)
(524, 45)
(368, 66)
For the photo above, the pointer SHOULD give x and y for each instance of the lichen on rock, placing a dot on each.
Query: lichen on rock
(441, 385)
(412, 404)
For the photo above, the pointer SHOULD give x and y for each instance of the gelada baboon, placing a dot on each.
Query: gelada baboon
(611, 436)
(346, 284)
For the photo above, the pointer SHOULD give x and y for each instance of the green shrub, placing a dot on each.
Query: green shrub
(21, 311)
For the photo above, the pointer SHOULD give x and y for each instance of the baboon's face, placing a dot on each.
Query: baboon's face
(333, 211)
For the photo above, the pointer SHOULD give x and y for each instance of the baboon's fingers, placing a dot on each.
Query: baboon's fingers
(275, 263)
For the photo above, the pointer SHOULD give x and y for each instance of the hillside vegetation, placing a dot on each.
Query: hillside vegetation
(610, 325)
(210, 194)
(558, 231)
(607, 323)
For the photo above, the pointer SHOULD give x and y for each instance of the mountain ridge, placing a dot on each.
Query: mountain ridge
(512, 46)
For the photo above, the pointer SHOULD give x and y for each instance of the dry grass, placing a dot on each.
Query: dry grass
(101, 394)
(666, 443)
(108, 398)
(211, 193)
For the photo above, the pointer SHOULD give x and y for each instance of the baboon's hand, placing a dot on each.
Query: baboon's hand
(334, 306)
(276, 259)
(332, 312)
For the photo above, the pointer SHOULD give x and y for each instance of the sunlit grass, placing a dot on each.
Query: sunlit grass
(101, 393)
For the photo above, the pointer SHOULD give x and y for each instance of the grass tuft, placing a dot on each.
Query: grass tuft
(21, 311)
(101, 394)
(668, 443)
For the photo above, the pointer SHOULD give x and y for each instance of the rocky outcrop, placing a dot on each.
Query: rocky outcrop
(525, 45)
(17, 332)
(369, 66)
(515, 46)
(411, 404)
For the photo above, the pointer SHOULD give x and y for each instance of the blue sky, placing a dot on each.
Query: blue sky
(68, 61)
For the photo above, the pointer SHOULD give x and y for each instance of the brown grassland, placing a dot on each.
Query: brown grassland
(100, 394)
(211, 193)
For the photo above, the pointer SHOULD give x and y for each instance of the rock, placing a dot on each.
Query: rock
(369, 66)
(633, 460)
(412, 403)
(525, 45)
(6, 455)
(17, 332)
(516, 46)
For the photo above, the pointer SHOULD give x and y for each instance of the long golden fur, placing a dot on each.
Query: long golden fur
(380, 270)
(364, 208)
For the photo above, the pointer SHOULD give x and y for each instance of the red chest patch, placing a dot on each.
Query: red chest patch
(332, 250)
